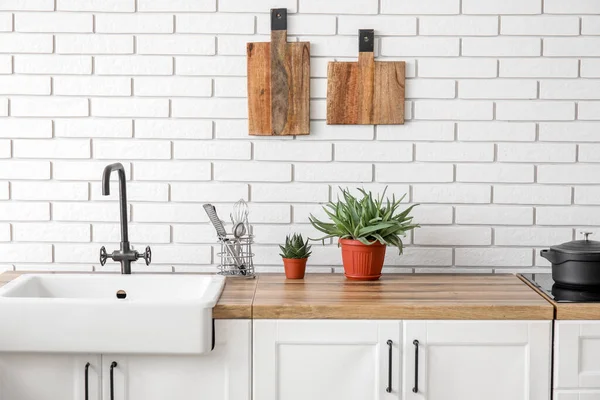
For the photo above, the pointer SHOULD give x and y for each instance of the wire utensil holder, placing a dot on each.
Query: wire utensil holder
(243, 250)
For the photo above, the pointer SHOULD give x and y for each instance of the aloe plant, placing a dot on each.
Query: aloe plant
(368, 219)
(295, 247)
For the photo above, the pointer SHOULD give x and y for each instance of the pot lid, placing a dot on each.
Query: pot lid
(584, 246)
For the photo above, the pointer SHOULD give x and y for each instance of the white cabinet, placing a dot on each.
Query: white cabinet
(223, 374)
(577, 360)
(325, 360)
(474, 360)
(34, 376)
(577, 355)
(457, 360)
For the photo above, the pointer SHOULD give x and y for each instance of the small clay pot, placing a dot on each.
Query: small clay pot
(294, 267)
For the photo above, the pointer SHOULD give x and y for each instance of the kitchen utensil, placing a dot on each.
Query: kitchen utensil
(239, 230)
(240, 211)
(211, 211)
(278, 82)
(365, 92)
(575, 264)
(239, 218)
(227, 266)
(222, 233)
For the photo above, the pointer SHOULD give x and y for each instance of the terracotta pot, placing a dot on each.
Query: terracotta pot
(294, 267)
(362, 262)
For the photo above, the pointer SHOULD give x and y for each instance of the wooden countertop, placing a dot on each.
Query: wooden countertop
(235, 301)
(402, 296)
(406, 296)
(569, 311)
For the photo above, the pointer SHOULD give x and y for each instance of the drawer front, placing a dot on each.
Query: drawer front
(577, 355)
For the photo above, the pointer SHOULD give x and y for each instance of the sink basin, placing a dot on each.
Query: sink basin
(97, 313)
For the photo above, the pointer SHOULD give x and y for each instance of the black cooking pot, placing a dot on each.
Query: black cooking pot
(575, 264)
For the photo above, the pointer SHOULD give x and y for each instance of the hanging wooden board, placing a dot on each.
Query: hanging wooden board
(366, 92)
(278, 83)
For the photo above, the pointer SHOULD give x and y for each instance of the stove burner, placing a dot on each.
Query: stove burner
(561, 293)
(583, 288)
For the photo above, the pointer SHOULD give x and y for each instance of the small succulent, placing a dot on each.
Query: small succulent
(295, 247)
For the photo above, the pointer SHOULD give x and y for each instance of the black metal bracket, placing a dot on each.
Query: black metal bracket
(366, 40)
(279, 19)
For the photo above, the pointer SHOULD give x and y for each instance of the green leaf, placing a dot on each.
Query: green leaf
(374, 228)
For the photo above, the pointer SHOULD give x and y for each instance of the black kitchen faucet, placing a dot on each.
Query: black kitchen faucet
(125, 255)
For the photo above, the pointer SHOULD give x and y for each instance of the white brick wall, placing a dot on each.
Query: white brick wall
(386, 25)
(132, 23)
(501, 47)
(92, 86)
(497, 89)
(590, 68)
(546, 26)
(420, 7)
(95, 5)
(500, 145)
(52, 64)
(458, 26)
(55, 22)
(590, 25)
(501, 7)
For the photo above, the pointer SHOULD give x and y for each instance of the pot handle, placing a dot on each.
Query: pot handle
(549, 255)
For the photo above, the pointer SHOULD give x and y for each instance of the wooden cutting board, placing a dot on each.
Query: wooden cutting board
(278, 83)
(365, 92)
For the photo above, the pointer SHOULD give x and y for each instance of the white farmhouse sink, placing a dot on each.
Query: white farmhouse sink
(81, 313)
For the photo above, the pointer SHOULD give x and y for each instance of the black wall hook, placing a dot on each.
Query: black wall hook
(366, 40)
(279, 19)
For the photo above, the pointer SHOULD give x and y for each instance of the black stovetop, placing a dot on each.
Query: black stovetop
(561, 294)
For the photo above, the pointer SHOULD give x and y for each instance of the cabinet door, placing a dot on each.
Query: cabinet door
(577, 354)
(27, 376)
(325, 360)
(223, 374)
(474, 360)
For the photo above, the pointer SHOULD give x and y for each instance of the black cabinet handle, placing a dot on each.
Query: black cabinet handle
(416, 387)
(87, 368)
(389, 387)
(113, 365)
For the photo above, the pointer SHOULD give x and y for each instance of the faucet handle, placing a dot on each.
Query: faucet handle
(146, 255)
(103, 255)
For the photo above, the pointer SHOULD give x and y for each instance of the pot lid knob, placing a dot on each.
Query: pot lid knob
(586, 234)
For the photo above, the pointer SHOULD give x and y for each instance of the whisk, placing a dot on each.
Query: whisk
(239, 218)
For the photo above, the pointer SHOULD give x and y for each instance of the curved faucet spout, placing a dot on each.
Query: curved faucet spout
(122, 194)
